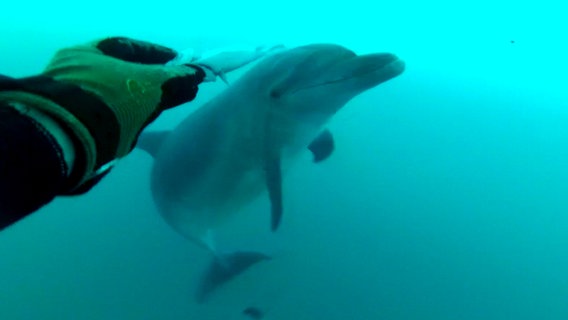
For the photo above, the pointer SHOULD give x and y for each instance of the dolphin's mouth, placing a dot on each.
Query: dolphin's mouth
(387, 70)
(374, 68)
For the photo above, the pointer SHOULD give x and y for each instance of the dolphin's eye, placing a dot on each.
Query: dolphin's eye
(275, 94)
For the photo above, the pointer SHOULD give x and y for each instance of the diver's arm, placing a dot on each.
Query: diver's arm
(52, 127)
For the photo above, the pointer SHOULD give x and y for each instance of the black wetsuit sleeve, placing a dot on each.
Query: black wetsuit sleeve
(32, 166)
(137, 51)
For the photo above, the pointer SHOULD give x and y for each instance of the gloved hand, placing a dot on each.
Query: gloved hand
(219, 62)
(130, 77)
(122, 85)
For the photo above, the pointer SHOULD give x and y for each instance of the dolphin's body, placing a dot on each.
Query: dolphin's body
(234, 148)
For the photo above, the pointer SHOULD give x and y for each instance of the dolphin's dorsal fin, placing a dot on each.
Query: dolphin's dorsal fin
(152, 141)
(273, 173)
(322, 147)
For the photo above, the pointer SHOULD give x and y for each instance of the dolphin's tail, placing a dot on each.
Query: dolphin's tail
(224, 268)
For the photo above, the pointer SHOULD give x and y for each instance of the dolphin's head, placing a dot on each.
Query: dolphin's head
(317, 80)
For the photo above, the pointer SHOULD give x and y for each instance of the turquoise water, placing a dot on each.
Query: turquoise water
(446, 197)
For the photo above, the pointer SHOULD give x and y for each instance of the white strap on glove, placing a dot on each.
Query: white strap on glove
(217, 63)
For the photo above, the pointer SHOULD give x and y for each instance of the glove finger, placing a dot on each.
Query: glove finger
(137, 51)
(178, 90)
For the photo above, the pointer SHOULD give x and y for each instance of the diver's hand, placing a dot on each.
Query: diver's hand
(218, 63)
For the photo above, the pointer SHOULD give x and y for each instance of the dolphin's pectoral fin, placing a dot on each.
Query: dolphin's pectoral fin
(274, 185)
(223, 77)
(224, 268)
(152, 141)
(322, 147)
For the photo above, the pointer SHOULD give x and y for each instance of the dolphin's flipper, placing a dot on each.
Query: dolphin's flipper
(152, 141)
(322, 147)
(224, 268)
(274, 185)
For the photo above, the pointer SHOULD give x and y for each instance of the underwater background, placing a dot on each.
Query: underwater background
(446, 197)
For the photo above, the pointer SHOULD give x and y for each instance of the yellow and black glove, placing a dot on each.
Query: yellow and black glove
(130, 77)
(104, 93)
(132, 81)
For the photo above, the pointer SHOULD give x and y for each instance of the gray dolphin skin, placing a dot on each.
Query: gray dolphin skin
(236, 146)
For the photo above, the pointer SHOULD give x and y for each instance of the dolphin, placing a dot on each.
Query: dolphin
(235, 147)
